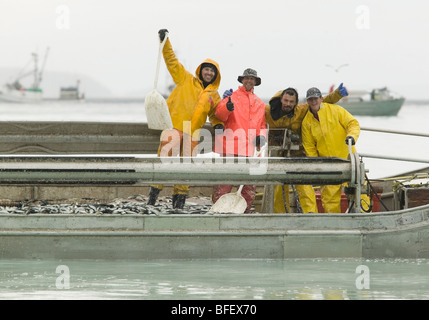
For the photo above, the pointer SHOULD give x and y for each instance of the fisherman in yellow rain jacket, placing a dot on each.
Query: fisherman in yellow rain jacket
(193, 99)
(326, 130)
(283, 112)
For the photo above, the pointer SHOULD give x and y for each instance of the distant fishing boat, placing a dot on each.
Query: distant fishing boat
(16, 92)
(71, 93)
(378, 102)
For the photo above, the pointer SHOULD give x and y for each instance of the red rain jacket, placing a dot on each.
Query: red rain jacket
(242, 125)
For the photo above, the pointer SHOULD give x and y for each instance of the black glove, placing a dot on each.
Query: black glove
(219, 128)
(259, 141)
(230, 105)
(276, 109)
(353, 140)
(162, 33)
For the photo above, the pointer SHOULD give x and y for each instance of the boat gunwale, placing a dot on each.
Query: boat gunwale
(218, 223)
(315, 215)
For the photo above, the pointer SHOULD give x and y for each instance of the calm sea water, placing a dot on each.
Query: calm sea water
(302, 279)
(227, 279)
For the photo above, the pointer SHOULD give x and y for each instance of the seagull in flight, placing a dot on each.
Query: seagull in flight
(338, 68)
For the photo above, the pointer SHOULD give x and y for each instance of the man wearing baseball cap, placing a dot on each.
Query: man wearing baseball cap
(326, 131)
(284, 113)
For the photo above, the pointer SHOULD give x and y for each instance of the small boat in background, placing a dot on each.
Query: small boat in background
(378, 102)
(71, 93)
(16, 92)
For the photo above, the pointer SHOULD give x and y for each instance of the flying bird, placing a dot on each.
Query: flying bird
(338, 68)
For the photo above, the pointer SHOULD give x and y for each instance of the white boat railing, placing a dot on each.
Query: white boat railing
(415, 134)
(374, 156)
(396, 132)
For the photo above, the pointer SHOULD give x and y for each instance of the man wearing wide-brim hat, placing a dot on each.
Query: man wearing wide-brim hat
(250, 73)
(243, 115)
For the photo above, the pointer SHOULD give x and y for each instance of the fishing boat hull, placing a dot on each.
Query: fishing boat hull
(373, 107)
(392, 234)
(397, 234)
(20, 96)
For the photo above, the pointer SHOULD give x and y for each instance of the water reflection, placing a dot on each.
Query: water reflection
(315, 279)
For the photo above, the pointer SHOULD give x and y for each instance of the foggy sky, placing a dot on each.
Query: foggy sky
(289, 43)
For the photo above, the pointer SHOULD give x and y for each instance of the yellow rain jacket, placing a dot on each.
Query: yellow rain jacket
(305, 193)
(295, 122)
(326, 138)
(190, 101)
